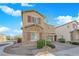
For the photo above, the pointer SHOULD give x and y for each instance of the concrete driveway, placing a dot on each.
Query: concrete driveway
(2, 47)
(63, 49)
(63, 46)
(69, 52)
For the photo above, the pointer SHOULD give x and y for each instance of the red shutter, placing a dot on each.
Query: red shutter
(29, 18)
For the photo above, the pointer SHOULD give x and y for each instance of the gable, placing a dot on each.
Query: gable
(33, 13)
(69, 23)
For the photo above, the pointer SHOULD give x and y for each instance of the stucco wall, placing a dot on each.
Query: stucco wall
(25, 14)
(65, 31)
(75, 36)
(3, 38)
(46, 28)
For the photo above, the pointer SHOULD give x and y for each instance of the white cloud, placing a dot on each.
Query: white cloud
(10, 11)
(26, 4)
(4, 29)
(17, 31)
(64, 19)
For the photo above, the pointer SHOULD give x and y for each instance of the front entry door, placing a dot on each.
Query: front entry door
(55, 38)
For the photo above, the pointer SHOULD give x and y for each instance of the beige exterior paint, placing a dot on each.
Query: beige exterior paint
(3, 38)
(25, 14)
(75, 36)
(42, 27)
(65, 30)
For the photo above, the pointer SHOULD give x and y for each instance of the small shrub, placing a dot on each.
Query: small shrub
(40, 43)
(48, 43)
(19, 40)
(51, 45)
(75, 43)
(62, 40)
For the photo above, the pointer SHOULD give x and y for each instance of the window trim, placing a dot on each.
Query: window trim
(36, 34)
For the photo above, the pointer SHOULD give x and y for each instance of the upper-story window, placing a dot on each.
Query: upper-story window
(74, 26)
(34, 20)
(29, 18)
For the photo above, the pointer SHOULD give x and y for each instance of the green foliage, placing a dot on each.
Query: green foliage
(78, 30)
(49, 43)
(62, 40)
(75, 43)
(40, 43)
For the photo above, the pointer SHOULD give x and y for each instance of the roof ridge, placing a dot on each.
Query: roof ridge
(33, 11)
(67, 23)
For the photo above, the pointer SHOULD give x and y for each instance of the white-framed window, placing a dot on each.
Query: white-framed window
(34, 36)
(35, 20)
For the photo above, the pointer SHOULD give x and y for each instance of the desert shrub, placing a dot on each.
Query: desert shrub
(62, 40)
(75, 43)
(40, 43)
(19, 40)
(49, 43)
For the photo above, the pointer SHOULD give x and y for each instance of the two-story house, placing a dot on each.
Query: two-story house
(68, 31)
(34, 27)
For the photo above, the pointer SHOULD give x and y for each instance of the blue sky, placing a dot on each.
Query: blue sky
(55, 14)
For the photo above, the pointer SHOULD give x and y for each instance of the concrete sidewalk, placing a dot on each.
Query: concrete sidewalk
(2, 53)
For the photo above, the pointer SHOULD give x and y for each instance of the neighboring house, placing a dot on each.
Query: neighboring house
(14, 38)
(34, 27)
(3, 38)
(68, 31)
